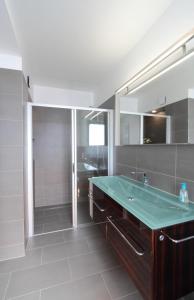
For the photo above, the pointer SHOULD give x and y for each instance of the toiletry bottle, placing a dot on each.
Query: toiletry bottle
(183, 195)
(145, 179)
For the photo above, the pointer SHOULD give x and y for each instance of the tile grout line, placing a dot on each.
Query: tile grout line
(23, 295)
(70, 270)
(106, 287)
(41, 257)
(76, 279)
(6, 289)
(148, 170)
(130, 294)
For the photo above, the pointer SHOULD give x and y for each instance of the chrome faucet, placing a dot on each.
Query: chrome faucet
(145, 179)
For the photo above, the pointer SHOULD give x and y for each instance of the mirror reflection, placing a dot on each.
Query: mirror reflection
(161, 112)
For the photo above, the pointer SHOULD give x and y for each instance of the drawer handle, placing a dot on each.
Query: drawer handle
(140, 253)
(178, 241)
(99, 208)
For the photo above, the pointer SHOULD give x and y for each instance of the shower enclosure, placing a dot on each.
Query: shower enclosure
(66, 146)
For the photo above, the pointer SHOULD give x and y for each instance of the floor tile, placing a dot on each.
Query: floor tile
(92, 263)
(189, 297)
(82, 233)
(95, 243)
(4, 278)
(118, 282)
(32, 259)
(46, 239)
(67, 249)
(133, 296)
(26, 281)
(57, 225)
(31, 296)
(90, 288)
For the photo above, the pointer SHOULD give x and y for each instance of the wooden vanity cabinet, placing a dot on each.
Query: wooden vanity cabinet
(160, 262)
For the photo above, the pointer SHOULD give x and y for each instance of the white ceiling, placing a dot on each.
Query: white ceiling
(73, 43)
(8, 43)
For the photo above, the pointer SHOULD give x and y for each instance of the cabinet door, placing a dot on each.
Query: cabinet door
(174, 261)
(136, 257)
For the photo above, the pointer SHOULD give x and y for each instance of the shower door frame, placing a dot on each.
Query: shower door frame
(29, 153)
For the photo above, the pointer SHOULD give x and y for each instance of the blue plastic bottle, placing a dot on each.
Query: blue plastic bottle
(183, 194)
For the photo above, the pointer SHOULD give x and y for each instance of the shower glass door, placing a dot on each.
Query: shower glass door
(92, 155)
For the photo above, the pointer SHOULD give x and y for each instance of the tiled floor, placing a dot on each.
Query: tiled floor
(67, 265)
(53, 218)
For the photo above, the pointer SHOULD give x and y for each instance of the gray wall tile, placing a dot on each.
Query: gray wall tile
(185, 161)
(127, 155)
(11, 233)
(161, 181)
(165, 165)
(10, 107)
(11, 183)
(10, 82)
(11, 165)
(158, 159)
(11, 133)
(11, 158)
(11, 208)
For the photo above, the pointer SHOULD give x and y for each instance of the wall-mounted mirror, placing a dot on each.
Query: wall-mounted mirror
(160, 112)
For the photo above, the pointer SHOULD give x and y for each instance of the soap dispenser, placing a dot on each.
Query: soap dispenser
(183, 194)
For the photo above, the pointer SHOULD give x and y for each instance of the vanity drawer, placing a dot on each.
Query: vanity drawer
(174, 256)
(104, 206)
(135, 256)
(139, 230)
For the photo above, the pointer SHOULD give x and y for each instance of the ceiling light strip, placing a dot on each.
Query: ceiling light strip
(180, 43)
(94, 116)
(176, 63)
(89, 114)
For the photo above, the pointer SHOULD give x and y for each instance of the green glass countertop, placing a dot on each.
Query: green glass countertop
(154, 207)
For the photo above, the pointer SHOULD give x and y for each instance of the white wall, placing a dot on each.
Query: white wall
(175, 85)
(10, 62)
(56, 96)
(129, 104)
(176, 21)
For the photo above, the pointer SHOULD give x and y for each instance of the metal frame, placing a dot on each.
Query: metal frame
(74, 110)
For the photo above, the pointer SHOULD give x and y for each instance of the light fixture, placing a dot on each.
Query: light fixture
(89, 114)
(178, 45)
(173, 65)
(94, 116)
(154, 111)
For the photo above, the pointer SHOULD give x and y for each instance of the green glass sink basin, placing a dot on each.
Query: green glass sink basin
(154, 207)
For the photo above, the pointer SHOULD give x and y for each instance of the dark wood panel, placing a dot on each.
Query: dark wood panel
(138, 266)
(175, 262)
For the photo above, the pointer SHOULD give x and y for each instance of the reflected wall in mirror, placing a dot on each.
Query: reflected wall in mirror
(144, 129)
(162, 111)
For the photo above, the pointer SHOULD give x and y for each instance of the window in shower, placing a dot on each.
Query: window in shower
(96, 134)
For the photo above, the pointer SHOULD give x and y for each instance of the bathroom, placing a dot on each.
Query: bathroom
(96, 150)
